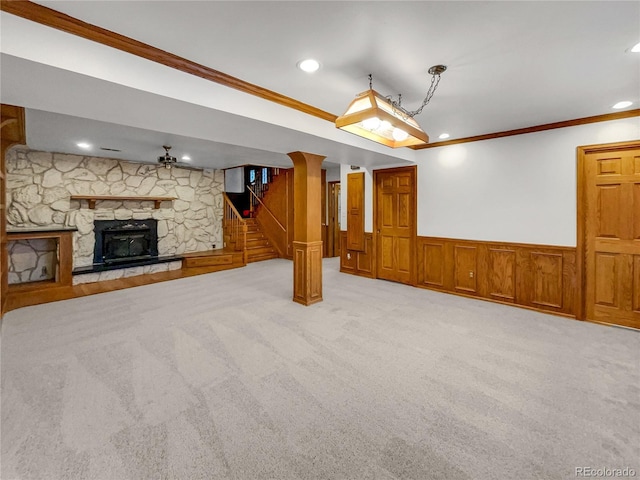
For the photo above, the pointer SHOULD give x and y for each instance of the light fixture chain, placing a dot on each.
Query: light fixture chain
(435, 80)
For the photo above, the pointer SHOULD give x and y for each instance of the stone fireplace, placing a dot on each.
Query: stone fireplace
(124, 242)
(39, 190)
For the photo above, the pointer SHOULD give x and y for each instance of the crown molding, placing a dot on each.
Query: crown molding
(537, 128)
(60, 21)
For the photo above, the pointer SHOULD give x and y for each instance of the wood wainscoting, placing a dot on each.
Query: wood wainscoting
(538, 277)
(541, 277)
(358, 262)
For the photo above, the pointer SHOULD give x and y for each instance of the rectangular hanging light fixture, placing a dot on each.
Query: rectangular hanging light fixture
(370, 115)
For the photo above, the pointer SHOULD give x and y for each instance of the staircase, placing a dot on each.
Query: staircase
(245, 234)
(258, 246)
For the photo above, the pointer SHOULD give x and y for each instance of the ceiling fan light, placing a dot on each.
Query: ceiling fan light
(166, 159)
(399, 134)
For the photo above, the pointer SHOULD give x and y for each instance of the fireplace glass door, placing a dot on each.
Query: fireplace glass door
(127, 245)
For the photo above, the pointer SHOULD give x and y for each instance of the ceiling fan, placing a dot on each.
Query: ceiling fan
(167, 160)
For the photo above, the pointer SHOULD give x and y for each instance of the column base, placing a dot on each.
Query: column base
(307, 272)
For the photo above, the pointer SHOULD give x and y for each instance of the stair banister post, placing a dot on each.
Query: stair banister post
(245, 253)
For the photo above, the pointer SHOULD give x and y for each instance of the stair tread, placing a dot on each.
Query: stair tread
(268, 248)
(261, 258)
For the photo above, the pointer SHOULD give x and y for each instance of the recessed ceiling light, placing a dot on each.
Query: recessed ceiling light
(309, 65)
(624, 104)
(636, 48)
(186, 158)
(84, 145)
(443, 136)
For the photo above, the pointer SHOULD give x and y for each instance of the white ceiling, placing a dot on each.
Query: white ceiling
(510, 65)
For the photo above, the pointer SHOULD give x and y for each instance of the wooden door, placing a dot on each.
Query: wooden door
(334, 219)
(395, 223)
(611, 186)
(355, 211)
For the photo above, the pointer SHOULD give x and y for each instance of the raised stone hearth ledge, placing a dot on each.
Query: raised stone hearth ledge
(126, 272)
(40, 186)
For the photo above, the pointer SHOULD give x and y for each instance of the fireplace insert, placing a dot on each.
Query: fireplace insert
(125, 241)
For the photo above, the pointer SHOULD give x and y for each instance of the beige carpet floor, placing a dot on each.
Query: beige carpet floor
(222, 376)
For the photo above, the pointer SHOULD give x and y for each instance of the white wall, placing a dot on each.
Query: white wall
(234, 180)
(514, 189)
(333, 174)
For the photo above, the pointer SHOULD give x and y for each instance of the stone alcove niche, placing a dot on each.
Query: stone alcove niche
(32, 260)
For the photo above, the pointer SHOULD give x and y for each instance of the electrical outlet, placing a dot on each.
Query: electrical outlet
(44, 272)
(470, 273)
(348, 256)
(213, 245)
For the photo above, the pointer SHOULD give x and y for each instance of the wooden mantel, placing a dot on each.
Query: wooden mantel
(92, 199)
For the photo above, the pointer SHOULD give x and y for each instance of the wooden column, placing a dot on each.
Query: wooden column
(307, 228)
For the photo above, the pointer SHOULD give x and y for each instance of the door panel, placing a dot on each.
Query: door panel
(608, 215)
(404, 210)
(387, 210)
(395, 223)
(403, 249)
(606, 279)
(612, 236)
(387, 247)
(609, 166)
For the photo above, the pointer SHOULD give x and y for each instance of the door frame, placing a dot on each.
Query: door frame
(581, 241)
(414, 231)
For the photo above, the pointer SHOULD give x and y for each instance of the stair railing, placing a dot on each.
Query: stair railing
(235, 227)
(266, 208)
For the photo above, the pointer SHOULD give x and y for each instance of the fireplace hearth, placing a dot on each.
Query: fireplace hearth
(125, 242)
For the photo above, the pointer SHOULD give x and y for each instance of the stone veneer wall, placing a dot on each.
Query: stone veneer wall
(39, 185)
